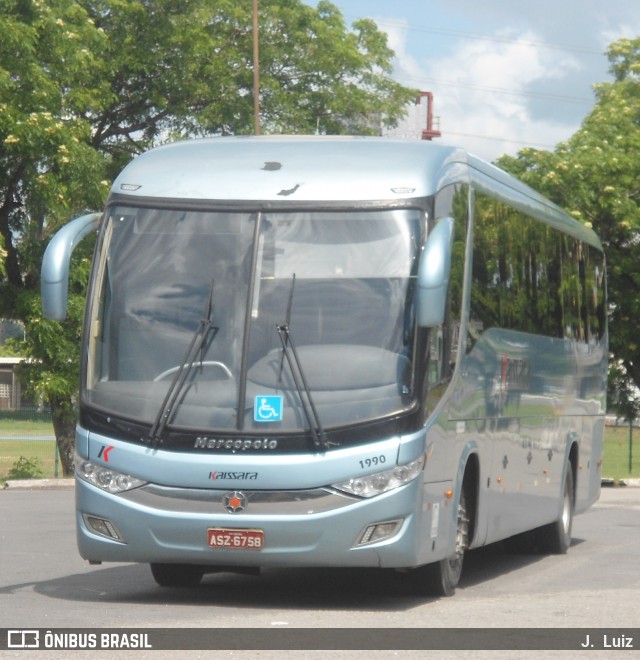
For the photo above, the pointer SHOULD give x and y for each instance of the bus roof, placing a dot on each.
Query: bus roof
(287, 170)
(275, 168)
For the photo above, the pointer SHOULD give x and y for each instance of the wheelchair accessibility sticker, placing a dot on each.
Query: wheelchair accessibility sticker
(267, 408)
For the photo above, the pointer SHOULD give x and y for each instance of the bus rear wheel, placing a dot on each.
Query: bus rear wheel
(177, 575)
(441, 578)
(555, 538)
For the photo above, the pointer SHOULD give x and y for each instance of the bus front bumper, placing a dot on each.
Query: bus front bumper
(319, 527)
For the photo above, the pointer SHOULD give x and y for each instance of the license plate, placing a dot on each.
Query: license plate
(222, 538)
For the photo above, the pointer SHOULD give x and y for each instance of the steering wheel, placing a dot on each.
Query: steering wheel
(208, 363)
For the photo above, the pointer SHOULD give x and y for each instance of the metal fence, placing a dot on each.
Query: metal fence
(28, 448)
(621, 450)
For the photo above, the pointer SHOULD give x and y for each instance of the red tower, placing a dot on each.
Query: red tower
(432, 129)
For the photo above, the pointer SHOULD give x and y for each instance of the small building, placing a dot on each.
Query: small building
(12, 396)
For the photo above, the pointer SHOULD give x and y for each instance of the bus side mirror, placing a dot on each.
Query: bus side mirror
(433, 275)
(54, 274)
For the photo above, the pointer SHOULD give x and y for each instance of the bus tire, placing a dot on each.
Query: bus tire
(177, 575)
(555, 538)
(442, 577)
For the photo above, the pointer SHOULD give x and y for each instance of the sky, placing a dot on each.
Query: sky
(505, 74)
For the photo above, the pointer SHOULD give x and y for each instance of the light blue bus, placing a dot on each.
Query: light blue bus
(336, 352)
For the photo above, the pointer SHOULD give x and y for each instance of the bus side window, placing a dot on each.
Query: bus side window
(451, 201)
(528, 277)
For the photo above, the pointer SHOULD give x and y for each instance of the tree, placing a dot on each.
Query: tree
(53, 371)
(87, 84)
(596, 176)
(316, 75)
(48, 171)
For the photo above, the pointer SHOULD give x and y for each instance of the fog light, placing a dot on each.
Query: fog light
(380, 531)
(102, 527)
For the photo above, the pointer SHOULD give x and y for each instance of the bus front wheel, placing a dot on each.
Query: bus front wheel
(441, 578)
(177, 575)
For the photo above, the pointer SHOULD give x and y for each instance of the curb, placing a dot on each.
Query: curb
(32, 484)
(614, 483)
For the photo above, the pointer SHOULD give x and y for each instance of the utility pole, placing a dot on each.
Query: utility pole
(256, 71)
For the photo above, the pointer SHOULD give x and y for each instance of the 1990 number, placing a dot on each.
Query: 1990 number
(372, 462)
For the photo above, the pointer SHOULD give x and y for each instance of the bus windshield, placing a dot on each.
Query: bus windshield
(341, 282)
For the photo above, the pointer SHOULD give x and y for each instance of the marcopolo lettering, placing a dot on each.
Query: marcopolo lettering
(241, 444)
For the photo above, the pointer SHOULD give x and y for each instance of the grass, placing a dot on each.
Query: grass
(615, 464)
(24, 427)
(21, 438)
(42, 452)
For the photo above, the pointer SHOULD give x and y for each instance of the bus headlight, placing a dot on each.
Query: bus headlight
(381, 482)
(105, 478)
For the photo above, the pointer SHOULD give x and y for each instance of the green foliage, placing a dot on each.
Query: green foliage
(48, 170)
(25, 468)
(53, 373)
(595, 175)
(316, 74)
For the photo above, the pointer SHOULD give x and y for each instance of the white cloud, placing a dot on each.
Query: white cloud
(483, 91)
(406, 65)
(491, 97)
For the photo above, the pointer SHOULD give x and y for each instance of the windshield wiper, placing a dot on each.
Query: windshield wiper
(200, 342)
(295, 367)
